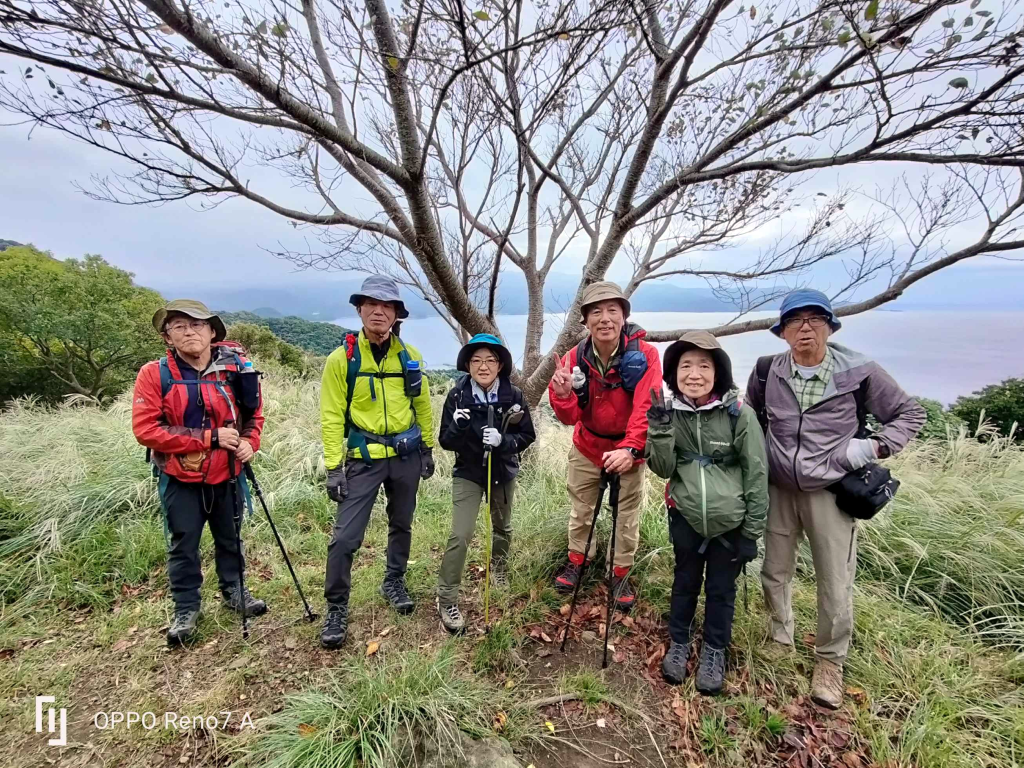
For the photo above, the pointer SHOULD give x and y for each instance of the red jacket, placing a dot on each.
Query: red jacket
(181, 452)
(617, 414)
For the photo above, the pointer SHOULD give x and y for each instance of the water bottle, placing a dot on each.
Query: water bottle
(247, 366)
(413, 378)
(579, 379)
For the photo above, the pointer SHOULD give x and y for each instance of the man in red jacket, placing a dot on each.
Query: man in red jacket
(201, 424)
(603, 387)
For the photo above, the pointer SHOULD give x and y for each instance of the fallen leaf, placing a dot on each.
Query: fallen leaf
(132, 630)
(500, 721)
(372, 647)
(545, 637)
(242, 697)
(564, 610)
(601, 723)
(619, 657)
(306, 730)
(810, 639)
(119, 646)
(544, 652)
(851, 760)
(549, 725)
(385, 632)
(291, 643)
(510, 684)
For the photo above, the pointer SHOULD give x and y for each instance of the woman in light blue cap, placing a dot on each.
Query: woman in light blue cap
(484, 415)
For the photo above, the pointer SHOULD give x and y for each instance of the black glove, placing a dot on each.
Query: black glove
(426, 462)
(659, 414)
(337, 483)
(746, 549)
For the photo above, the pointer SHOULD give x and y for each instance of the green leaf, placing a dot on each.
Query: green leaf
(948, 23)
(975, 4)
(482, 15)
(959, 82)
(393, 62)
(969, 21)
(753, 12)
(844, 38)
(974, 132)
(827, 24)
(280, 30)
(871, 12)
(151, 78)
(262, 28)
(984, 14)
(953, 41)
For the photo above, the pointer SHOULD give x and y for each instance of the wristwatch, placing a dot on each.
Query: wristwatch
(637, 454)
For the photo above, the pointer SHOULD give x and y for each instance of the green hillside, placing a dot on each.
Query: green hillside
(318, 338)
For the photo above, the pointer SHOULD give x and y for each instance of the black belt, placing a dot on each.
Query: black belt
(616, 436)
(706, 461)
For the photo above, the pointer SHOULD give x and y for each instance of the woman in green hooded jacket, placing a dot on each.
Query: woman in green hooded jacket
(710, 448)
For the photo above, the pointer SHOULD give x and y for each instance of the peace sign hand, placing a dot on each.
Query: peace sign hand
(659, 414)
(561, 380)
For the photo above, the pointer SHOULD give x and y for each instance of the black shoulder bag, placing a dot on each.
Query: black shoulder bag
(863, 492)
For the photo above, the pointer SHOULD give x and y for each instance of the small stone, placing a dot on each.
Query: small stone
(589, 636)
(291, 643)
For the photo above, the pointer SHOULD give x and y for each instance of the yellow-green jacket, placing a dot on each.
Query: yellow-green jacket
(392, 412)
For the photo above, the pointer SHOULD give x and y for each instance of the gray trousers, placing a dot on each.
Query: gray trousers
(401, 480)
(832, 535)
(466, 497)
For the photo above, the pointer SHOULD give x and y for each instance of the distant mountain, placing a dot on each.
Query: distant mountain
(5, 244)
(326, 299)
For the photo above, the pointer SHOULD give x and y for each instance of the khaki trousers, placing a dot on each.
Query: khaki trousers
(832, 535)
(583, 481)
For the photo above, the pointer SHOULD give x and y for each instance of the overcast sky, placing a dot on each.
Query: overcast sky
(175, 243)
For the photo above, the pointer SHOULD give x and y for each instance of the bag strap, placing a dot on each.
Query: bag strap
(860, 397)
(762, 369)
(355, 364)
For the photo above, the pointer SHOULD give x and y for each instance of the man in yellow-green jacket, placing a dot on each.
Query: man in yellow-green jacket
(377, 429)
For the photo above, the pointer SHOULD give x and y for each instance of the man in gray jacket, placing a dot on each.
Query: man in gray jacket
(809, 398)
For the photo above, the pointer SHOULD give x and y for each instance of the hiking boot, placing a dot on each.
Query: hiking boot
(673, 666)
(183, 626)
(253, 607)
(451, 617)
(827, 684)
(335, 628)
(623, 590)
(711, 670)
(395, 593)
(567, 578)
(499, 578)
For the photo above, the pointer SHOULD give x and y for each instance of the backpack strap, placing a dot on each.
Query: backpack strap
(860, 397)
(762, 369)
(355, 363)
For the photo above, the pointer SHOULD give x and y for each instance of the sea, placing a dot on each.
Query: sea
(935, 354)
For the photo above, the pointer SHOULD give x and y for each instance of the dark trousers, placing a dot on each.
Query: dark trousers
(401, 479)
(187, 506)
(718, 568)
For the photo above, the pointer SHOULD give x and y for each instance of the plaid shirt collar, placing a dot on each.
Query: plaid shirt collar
(811, 391)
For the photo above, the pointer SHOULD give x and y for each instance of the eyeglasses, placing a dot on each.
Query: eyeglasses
(815, 321)
(181, 327)
(490, 362)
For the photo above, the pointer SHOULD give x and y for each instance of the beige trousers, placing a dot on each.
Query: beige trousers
(583, 481)
(832, 535)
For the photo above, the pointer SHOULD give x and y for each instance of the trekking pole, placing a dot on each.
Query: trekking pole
(488, 534)
(237, 516)
(613, 502)
(602, 484)
(251, 477)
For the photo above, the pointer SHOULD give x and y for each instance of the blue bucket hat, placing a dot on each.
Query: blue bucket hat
(381, 288)
(806, 298)
(493, 343)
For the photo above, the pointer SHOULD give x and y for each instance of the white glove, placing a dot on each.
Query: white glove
(460, 413)
(492, 437)
(578, 378)
(860, 453)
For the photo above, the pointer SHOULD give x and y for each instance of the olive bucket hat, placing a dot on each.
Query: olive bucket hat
(492, 343)
(380, 288)
(190, 308)
(698, 340)
(603, 291)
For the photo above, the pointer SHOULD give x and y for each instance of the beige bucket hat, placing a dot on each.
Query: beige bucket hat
(603, 291)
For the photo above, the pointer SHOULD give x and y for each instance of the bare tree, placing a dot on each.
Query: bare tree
(448, 145)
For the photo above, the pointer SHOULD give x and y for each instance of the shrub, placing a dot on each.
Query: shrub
(941, 424)
(261, 342)
(1001, 405)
